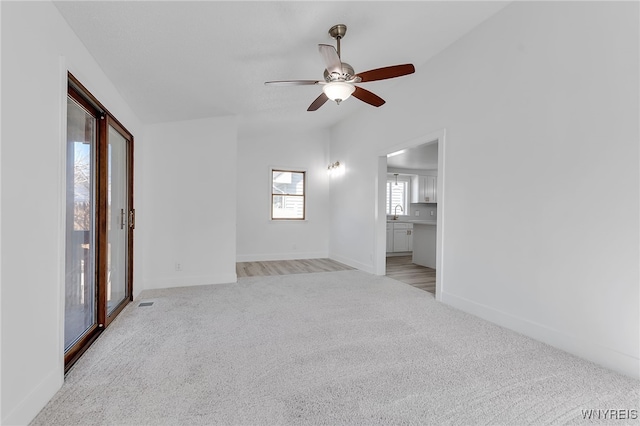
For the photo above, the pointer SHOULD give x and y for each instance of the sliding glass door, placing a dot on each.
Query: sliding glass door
(119, 220)
(81, 312)
(99, 220)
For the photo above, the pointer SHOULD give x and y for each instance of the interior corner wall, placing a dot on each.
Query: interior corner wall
(38, 48)
(540, 106)
(189, 209)
(258, 237)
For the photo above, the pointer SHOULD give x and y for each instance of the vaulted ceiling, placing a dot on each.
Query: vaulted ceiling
(187, 60)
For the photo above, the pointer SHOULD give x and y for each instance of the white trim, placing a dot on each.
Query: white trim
(440, 214)
(380, 219)
(189, 281)
(607, 357)
(258, 257)
(354, 264)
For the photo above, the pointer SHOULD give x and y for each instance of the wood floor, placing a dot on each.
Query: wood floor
(286, 267)
(400, 268)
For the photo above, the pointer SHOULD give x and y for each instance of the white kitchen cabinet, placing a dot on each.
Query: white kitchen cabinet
(400, 240)
(424, 189)
(431, 189)
(402, 237)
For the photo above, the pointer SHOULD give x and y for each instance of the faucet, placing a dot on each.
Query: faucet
(395, 211)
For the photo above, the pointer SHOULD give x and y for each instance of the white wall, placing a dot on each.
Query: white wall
(540, 107)
(37, 49)
(190, 203)
(260, 238)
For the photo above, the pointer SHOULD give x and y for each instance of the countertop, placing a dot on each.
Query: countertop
(414, 221)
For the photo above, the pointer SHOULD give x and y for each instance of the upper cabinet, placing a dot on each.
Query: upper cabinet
(431, 189)
(424, 189)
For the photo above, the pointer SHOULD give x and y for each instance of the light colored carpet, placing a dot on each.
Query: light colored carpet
(324, 349)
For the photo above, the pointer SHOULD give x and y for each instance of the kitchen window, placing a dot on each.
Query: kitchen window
(398, 188)
(287, 194)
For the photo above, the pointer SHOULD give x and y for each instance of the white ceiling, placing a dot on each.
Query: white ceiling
(422, 157)
(177, 60)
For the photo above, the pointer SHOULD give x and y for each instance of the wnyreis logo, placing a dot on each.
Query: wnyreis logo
(610, 414)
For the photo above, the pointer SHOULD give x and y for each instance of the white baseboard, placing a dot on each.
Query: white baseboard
(398, 253)
(353, 263)
(257, 257)
(189, 281)
(33, 402)
(606, 357)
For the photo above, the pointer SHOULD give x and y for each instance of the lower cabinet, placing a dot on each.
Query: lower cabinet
(389, 237)
(399, 237)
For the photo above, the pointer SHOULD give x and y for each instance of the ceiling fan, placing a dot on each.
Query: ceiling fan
(340, 77)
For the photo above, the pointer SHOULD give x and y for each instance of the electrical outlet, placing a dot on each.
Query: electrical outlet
(178, 266)
(431, 212)
(417, 213)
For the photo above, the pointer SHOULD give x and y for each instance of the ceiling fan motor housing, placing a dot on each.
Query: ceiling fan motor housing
(347, 74)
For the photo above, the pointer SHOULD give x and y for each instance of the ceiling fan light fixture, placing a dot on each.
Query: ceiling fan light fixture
(338, 91)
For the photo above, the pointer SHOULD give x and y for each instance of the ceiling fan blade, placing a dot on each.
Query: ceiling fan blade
(331, 58)
(292, 83)
(387, 72)
(368, 97)
(320, 100)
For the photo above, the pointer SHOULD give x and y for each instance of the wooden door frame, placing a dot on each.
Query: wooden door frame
(78, 348)
(78, 92)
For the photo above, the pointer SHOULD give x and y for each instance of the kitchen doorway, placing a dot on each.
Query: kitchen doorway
(426, 214)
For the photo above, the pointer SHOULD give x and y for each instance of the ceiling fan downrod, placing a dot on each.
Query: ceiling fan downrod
(338, 31)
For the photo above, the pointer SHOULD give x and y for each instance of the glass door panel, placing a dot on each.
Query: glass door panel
(117, 220)
(80, 276)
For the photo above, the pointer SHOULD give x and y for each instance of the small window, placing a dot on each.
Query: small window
(398, 194)
(287, 195)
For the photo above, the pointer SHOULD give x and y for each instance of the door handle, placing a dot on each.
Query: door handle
(121, 218)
